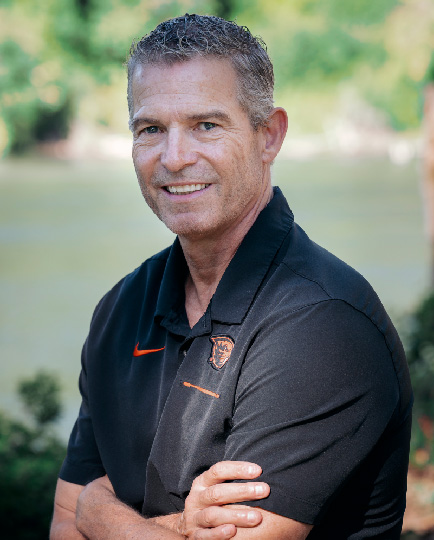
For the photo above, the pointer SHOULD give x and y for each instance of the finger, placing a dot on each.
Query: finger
(229, 470)
(241, 516)
(218, 533)
(232, 493)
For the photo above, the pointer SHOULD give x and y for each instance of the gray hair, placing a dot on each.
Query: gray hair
(183, 38)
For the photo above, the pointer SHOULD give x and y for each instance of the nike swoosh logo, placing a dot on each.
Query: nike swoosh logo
(141, 352)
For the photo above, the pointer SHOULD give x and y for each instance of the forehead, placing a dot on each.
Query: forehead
(185, 86)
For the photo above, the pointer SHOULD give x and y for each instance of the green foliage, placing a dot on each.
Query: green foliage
(58, 58)
(401, 105)
(224, 8)
(41, 396)
(19, 109)
(420, 355)
(20, 64)
(30, 460)
(29, 465)
(357, 12)
(31, 111)
(75, 33)
(379, 50)
(54, 55)
(326, 56)
(429, 75)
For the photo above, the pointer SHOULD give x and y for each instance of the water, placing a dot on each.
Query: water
(69, 231)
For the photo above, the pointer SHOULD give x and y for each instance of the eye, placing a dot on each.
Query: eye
(207, 126)
(151, 129)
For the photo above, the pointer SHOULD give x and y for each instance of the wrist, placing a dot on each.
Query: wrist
(173, 522)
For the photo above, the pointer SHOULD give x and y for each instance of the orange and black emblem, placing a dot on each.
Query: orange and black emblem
(221, 351)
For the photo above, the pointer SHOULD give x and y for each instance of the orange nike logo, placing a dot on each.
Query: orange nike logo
(138, 352)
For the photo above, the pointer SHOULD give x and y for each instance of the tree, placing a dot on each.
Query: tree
(41, 397)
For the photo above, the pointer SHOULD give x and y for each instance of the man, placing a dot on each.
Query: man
(244, 364)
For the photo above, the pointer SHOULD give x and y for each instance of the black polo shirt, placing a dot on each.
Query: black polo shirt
(295, 366)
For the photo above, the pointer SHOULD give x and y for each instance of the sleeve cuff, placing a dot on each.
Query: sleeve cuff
(278, 502)
(80, 474)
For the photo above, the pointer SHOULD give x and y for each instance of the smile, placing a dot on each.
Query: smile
(185, 190)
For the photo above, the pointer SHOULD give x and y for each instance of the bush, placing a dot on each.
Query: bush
(420, 355)
(30, 459)
(41, 396)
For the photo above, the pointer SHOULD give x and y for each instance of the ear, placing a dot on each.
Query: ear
(274, 133)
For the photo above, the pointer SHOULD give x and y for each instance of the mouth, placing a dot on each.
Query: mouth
(186, 189)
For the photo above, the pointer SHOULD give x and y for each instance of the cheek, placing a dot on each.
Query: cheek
(143, 173)
(143, 159)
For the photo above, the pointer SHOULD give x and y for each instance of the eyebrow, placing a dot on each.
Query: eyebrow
(215, 114)
(135, 122)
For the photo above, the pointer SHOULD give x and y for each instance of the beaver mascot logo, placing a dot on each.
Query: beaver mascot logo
(221, 351)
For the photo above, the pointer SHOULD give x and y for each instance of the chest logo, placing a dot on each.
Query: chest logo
(221, 351)
(141, 352)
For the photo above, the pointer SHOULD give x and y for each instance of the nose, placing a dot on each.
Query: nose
(177, 153)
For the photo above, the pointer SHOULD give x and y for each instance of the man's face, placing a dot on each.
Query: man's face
(197, 158)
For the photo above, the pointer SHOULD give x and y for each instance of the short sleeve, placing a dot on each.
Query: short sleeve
(82, 463)
(315, 394)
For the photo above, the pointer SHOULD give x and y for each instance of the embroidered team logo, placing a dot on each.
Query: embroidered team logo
(221, 351)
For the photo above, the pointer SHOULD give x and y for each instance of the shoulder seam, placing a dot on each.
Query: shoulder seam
(308, 278)
(331, 299)
(386, 342)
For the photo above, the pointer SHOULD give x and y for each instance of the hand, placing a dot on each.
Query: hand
(206, 517)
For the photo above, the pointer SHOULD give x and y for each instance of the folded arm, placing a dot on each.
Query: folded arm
(212, 502)
(95, 513)
(65, 505)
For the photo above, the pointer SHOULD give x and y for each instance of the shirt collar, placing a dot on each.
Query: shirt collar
(241, 280)
(170, 308)
(244, 275)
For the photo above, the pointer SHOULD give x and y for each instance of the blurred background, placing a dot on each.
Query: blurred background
(357, 167)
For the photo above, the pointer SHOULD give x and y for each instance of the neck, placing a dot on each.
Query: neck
(208, 257)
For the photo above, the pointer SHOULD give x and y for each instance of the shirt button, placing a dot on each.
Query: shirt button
(184, 353)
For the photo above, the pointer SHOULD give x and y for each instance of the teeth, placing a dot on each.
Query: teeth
(186, 189)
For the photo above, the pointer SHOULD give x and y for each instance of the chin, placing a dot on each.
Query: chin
(189, 228)
(183, 223)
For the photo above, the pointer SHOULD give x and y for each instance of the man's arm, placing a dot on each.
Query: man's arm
(98, 514)
(65, 505)
(210, 503)
(94, 512)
